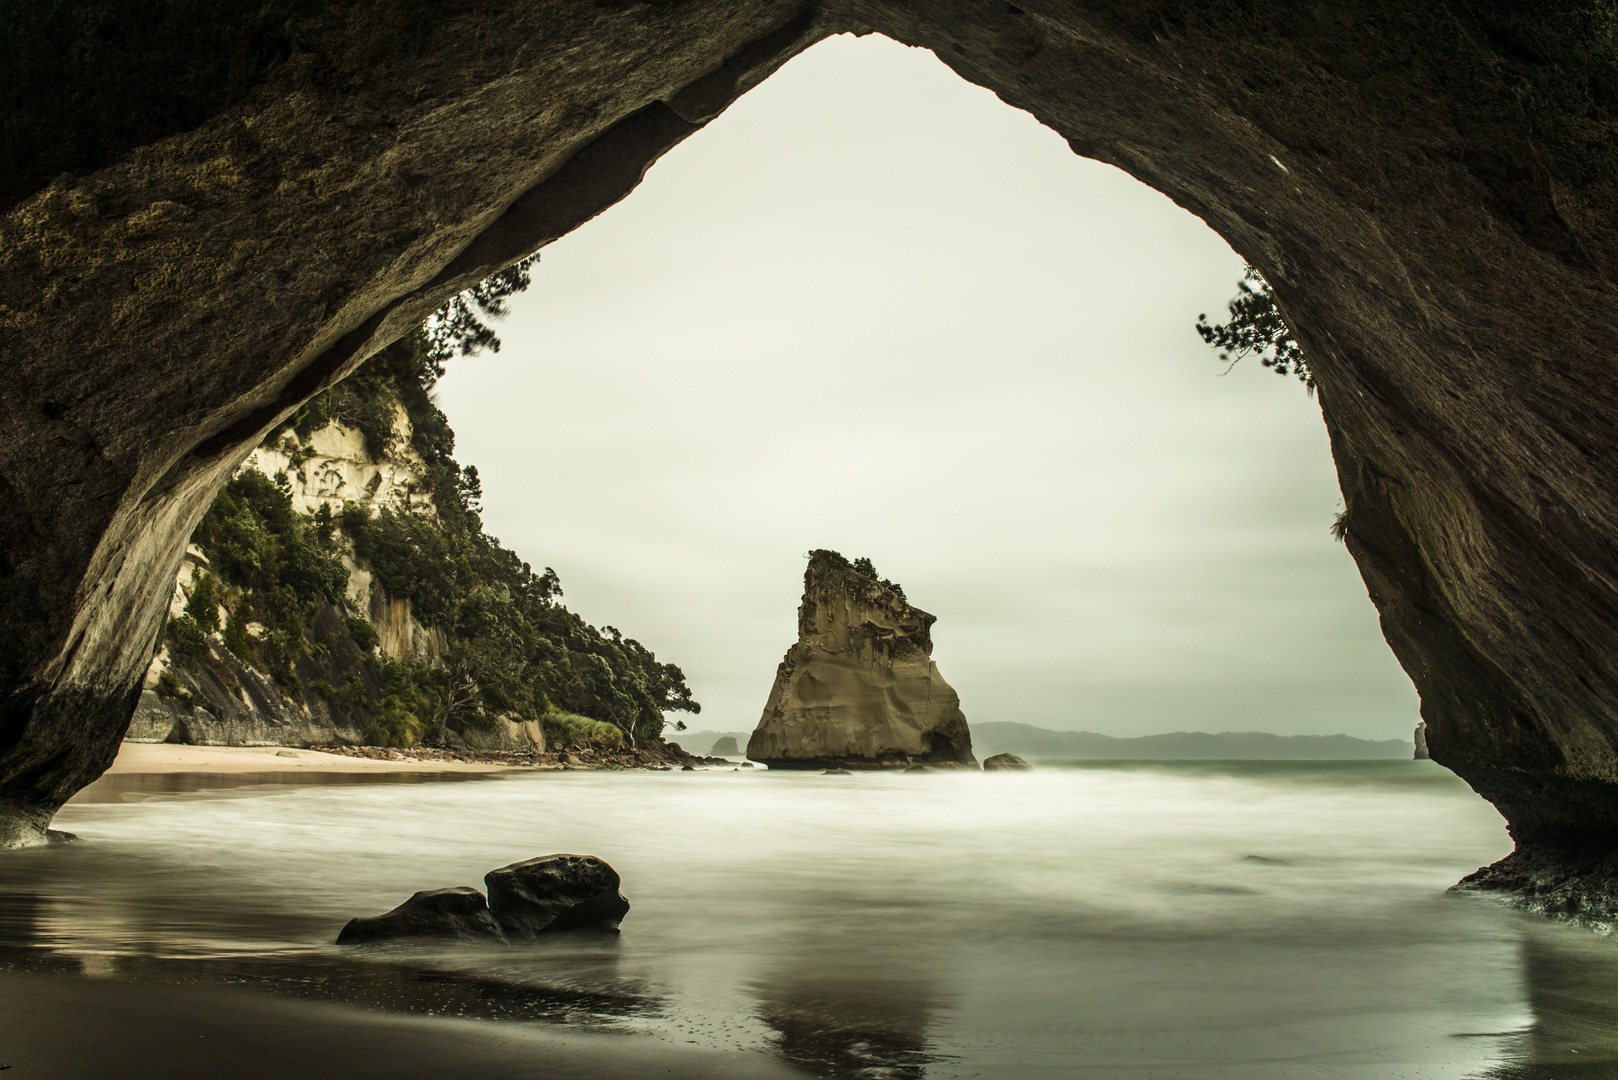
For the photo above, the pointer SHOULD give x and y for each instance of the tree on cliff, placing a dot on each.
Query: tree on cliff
(461, 328)
(1256, 328)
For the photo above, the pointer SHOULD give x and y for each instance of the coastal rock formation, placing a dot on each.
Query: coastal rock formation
(457, 912)
(1579, 886)
(859, 689)
(1006, 763)
(1421, 752)
(1428, 187)
(547, 895)
(556, 893)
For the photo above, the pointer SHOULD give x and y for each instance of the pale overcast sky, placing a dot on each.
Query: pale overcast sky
(873, 308)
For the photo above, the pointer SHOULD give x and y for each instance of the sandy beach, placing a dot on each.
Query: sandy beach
(164, 758)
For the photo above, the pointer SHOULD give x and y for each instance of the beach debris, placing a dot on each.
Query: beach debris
(1006, 763)
(457, 912)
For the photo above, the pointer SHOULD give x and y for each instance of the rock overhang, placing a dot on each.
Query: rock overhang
(1422, 187)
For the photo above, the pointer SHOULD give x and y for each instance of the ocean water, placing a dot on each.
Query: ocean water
(1164, 920)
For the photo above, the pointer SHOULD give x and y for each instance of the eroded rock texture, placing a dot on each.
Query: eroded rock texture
(859, 687)
(1430, 189)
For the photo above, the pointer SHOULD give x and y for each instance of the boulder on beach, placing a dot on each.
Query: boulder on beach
(555, 893)
(458, 912)
(1006, 763)
(859, 690)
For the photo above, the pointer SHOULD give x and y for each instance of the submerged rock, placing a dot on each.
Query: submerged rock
(859, 689)
(555, 893)
(458, 912)
(1006, 762)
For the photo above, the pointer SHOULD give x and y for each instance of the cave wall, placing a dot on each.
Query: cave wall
(1430, 190)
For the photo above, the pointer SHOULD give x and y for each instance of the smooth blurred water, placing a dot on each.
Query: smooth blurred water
(1245, 919)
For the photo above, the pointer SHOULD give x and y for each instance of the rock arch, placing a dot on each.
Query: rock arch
(1429, 188)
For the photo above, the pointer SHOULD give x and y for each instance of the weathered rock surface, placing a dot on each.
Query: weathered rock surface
(1006, 763)
(458, 912)
(859, 688)
(1430, 189)
(1577, 885)
(506, 735)
(556, 893)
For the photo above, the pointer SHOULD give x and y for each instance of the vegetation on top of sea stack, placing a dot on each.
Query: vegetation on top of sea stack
(861, 565)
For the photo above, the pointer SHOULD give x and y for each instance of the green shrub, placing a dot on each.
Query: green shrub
(203, 605)
(565, 729)
(396, 724)
(363, 633)
(186, 638)
(169, 687)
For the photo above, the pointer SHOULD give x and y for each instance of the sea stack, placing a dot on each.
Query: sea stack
(859, 690)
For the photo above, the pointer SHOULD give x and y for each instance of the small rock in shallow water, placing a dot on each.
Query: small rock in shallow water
(1006, 763)
(918, 768)
(459, 912)
(554, 893)
(688, 768)
(285, 753)
(835, 772)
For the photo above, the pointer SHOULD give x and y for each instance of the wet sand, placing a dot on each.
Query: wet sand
(56, 1027)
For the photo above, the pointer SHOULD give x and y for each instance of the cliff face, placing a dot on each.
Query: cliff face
(859, 689)
(217, 696)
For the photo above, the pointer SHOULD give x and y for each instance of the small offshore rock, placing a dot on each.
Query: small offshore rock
(835, 772)
(555, 893)
(458, 912)
(1006, 763)
(688, 768)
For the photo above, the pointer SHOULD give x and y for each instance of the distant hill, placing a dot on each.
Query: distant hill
(1025, 740)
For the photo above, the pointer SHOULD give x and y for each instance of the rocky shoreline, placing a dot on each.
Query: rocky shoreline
(1574, 886)
(657, 756)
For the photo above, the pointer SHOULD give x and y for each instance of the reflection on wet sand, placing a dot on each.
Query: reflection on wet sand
(138, 787)
(122, 934)
(1571, 976)
(851, 1023)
